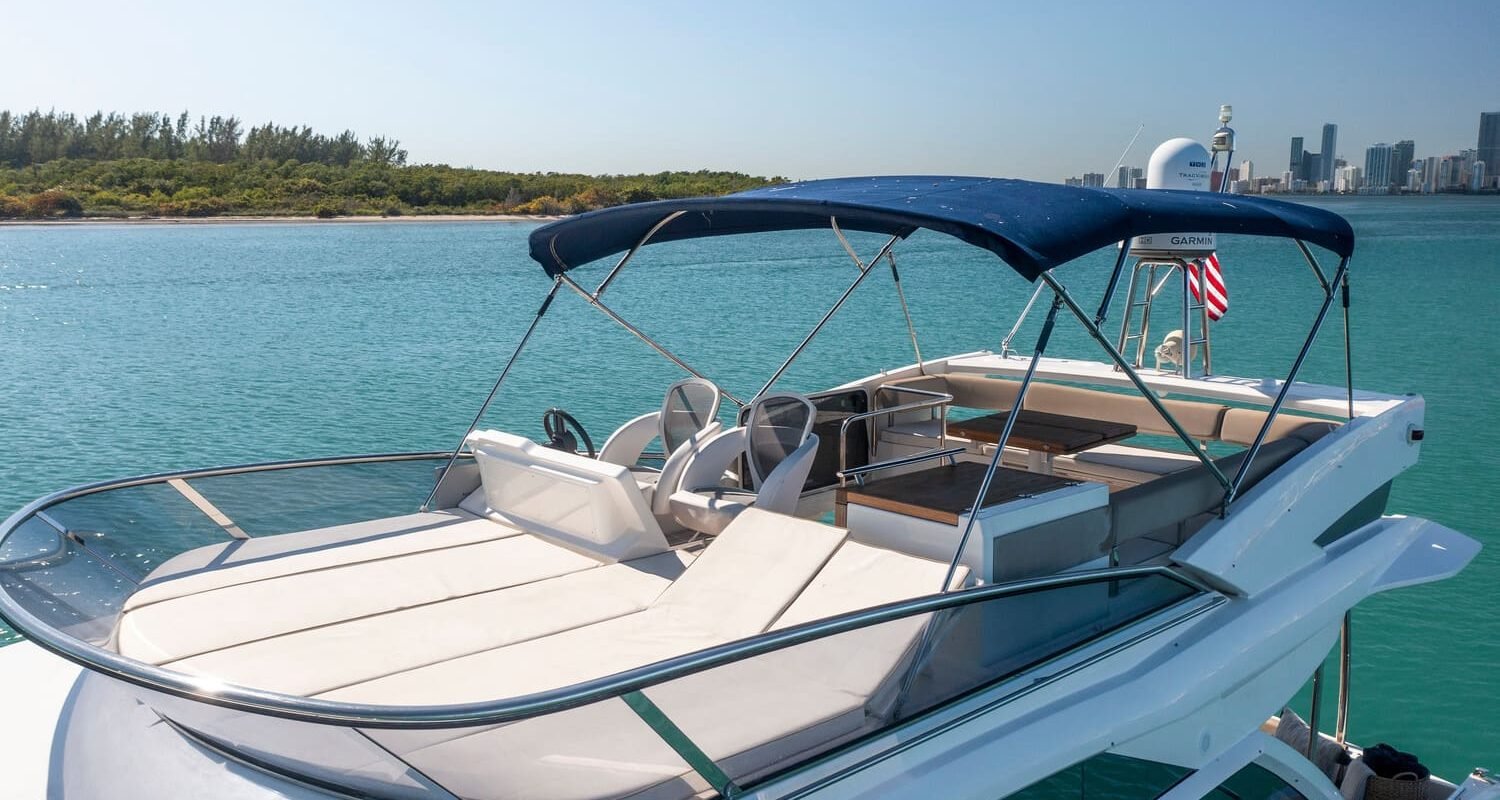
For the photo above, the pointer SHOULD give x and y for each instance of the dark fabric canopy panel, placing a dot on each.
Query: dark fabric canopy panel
(1033, 227)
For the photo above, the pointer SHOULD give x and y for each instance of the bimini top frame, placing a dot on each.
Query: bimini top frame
(1032, 227)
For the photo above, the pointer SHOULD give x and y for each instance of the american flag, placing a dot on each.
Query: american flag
(1218, 296)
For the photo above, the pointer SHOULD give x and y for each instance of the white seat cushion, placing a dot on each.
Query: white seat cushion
(784, 704)
(330, 657)
(260, 558)
(743, 581)
(1137, 459)
(709, 510)
(161, 624)
(860, 576)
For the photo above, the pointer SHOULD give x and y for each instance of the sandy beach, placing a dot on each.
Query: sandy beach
(242, 220)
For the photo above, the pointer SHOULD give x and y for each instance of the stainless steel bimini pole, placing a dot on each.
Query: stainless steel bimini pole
(1010, 422)
(864, 273)
(1135, 378)
(1005, 350)
(890, 258)
(1114, 281)
(619, 265)
(1286, 386)
(594, 301)
(526, 337)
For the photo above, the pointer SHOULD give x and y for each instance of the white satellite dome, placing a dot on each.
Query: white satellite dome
(1180, 163)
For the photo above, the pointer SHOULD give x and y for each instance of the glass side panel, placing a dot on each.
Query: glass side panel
(138, 527)
(794, 704)
(285, 500)
(123, 535)
(1254, 783)
(1106, 777)
(61, 582)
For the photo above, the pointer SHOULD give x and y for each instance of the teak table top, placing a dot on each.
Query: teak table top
(1056, 434)
(941, 494)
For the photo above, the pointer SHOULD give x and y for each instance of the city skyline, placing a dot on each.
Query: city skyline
(1379, 168)
(802, 90)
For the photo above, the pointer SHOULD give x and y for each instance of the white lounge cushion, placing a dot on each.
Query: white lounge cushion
(860, 576)
(213, 618)
(783, 704)
(1242, 424)
(260, 558)
(739, 585)
(1137, 459)
(333, 656)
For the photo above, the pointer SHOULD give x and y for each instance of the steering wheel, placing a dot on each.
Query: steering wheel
(556, 422)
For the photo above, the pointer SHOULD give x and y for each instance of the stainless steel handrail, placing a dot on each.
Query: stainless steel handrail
(207, 690)
(858, 472)
(940, 401)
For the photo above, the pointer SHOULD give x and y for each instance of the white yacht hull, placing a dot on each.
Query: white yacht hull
(1180, 687)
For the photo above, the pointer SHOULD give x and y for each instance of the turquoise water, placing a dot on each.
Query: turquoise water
(140, 348)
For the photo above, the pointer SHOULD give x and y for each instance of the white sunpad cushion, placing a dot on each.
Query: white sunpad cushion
(180, 627)
(736, 587)
(860, 576)
(750, 573)
(1139, 459)
(330, 657)
(217, 566)
(785, 703)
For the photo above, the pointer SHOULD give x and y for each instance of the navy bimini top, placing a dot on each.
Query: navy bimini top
(1032, 226)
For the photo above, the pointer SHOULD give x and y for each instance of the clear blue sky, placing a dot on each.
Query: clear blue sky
(803, 89)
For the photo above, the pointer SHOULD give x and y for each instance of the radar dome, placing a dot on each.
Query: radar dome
(1177, 164)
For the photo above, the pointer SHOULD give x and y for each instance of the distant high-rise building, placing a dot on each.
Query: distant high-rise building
(1431, 181)
(1093, 179)
(1312, 167)
(1298, 152)
(1489, 138)
(1288, 179)
(1122, 178)
(1329, 151)
(1378, 165)
(1247, 170)
(1476, 176)
(1075, 181)
(1450, 172)
(1401, 158)
(1346, 179)
(1137, 178)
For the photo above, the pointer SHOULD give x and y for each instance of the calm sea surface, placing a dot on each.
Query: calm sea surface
(140, 348)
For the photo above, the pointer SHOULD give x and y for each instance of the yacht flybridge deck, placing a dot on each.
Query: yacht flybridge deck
(853, 591)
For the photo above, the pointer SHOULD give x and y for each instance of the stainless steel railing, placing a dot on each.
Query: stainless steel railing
(305, 709)
(936, 400)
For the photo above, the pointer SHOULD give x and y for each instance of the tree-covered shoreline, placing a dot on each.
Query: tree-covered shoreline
(111, 165)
